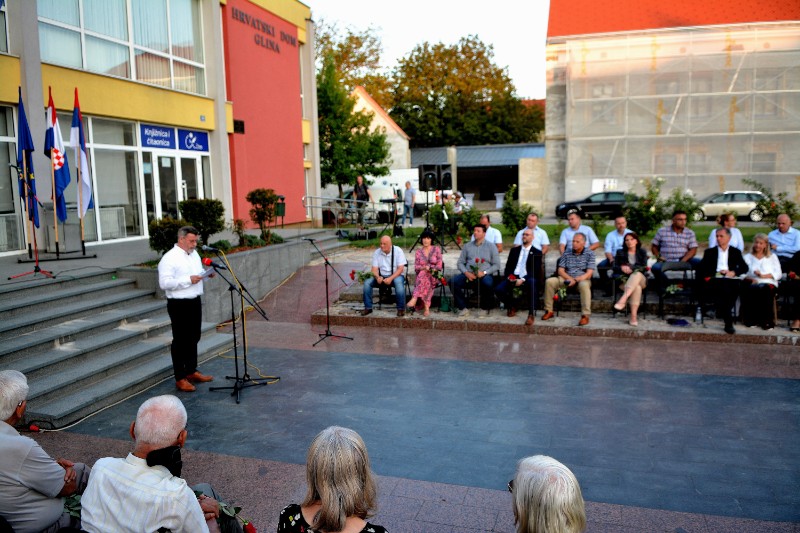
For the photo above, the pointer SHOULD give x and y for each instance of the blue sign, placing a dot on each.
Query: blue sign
(196, 141)
(157, 137)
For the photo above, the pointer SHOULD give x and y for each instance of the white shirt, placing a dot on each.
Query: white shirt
(174, 271)
(127, 496)
(540, 238)
(493, 236)
(384, 261)
(722, 259)
(765, 265)
(520, 271)
(569, 233)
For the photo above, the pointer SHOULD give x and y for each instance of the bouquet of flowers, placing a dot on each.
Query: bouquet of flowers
(674, 288)
(477, 266)
(516, 291)
(233, 511)
(362, 275)
(561, 293)
(623, 279)
(439, 276)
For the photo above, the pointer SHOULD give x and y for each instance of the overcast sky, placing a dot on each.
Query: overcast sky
(516, 28)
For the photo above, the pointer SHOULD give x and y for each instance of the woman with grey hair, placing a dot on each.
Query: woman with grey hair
(341, 491)
(547, 497)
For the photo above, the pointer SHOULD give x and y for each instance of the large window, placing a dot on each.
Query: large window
(10, 230)
(153, 41)
(3, 31)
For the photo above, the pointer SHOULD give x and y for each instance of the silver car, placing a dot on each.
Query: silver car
(743, 203)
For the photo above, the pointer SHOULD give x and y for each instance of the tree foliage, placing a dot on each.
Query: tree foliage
(456, 95)
(357, 57)
(347, 146)
(774, 204)
(263, 210)
(205, 214)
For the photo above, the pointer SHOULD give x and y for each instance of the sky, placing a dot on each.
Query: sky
(516, 28)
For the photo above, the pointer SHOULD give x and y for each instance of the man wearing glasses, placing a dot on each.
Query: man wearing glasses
(674, 243)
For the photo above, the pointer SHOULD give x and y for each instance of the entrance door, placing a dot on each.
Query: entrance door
(168, 180)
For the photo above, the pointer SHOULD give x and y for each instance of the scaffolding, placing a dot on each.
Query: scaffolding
(704, 108)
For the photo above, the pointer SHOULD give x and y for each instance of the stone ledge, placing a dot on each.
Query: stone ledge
(602, 325)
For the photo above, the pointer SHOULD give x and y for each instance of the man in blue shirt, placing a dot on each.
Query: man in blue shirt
(784, 241)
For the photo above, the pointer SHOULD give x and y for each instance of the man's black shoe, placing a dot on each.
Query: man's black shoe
(729, 329)
(365, 312)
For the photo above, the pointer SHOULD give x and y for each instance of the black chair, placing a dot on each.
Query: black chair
(677, 281)
(385, 292)
(5, 527)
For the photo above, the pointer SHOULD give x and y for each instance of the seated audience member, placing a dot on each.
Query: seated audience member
(576, 226)
(674, 243)
(459, 203)
(784, 240)
(341, 491)
(575, 268)
(718, 277)
(540, 239)
(759, 287)
(388, 264)
(520, 272)
(793, 285)
(478, 261)
(612, 243)
(144, 492)
(427, 259)
(546, 497)
(727, 220)
(631, 263)
(493, 235)
(32, 484)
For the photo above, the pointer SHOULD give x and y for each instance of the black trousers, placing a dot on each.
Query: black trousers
(186, 316)
(723, 292)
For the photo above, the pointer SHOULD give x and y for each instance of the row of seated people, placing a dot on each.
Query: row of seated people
(144, 492)
(625, 263)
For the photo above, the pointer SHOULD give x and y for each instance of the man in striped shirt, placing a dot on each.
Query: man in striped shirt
(575, 269)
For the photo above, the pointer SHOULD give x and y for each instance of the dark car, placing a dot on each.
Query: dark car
(608, 204)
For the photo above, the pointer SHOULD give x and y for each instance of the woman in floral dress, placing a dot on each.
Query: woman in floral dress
(427, 260)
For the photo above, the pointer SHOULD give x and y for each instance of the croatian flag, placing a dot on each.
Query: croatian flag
(54, 149)
(76, 139)
(25, 154)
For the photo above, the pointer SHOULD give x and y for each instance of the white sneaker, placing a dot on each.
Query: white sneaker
(463, 312)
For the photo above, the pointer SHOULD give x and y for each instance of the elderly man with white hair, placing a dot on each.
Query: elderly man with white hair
(144, 491)
(32, 484)
(547, 497)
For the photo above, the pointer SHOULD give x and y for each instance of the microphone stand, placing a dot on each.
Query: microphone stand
(244, 381)
(323, 336)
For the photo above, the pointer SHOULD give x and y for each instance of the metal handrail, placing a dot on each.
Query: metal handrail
(335, 204)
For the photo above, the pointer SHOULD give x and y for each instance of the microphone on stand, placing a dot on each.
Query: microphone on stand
(309, 240)
(209, 249)
(209, 263)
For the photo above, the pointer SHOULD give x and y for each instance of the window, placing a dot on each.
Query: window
(153, 41)
(700, 100)
(665, 164)
(3, 31)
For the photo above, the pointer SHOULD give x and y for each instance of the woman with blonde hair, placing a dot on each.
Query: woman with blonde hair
(760, 285)
(547, 497)
(341, 491)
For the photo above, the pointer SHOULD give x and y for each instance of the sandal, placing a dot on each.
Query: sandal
(427, 312)
(410, 311)
(794, 330)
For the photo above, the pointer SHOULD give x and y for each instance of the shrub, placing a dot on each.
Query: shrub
(435, 217)
(238, 227)
(773, 204)
(645, 213)
(164, 233)
(683, 201)
(253, 241)
(263, 211)
(207, 215)
(514, 213)
(223, 245)
(469, 218)
(598, 225)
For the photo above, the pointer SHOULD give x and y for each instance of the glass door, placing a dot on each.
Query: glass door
(166, 177)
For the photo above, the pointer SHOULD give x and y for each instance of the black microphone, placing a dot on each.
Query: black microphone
(12, 165)
(309, 240)
(209, 263)
(209, 249)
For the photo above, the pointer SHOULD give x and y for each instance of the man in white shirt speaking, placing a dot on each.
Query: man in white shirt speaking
(180, 276)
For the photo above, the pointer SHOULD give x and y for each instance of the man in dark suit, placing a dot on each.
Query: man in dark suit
(718, 275)
(520, 272)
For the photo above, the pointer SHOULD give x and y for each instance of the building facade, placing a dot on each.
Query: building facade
(704, 105)
(180, 99)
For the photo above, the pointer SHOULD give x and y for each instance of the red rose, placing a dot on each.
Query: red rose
(477, 259)
(555, 297)
(792, 275)
(444, 281)
(458, 240)
(708, 278)
(483, 260)
(249, 528)
(512, 277)
(353, 275)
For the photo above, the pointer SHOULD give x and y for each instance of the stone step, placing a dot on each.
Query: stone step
(85, 347)
(37, 341)
(78, 402)
(36, 303)
(58, 313)
(32, 286)
(53, 380)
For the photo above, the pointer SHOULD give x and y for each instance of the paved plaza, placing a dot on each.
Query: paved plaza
(662, 435)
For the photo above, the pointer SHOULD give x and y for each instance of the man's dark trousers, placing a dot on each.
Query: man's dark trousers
(186, 316)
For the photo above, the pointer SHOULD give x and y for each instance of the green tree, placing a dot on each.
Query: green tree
(207, 215)
(347, 146)
(263, 211)
(446, 95)
(357, 57)
(773, 204)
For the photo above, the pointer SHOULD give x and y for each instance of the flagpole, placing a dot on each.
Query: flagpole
(55, 216)
(80, 205)
(26, 193)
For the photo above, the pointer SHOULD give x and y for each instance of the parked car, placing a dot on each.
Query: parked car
(608, 204)
(743, 203)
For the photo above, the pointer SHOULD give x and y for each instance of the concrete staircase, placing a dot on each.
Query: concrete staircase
(87, 341)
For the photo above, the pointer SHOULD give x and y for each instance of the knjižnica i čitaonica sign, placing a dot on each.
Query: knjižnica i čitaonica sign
(265, 36)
